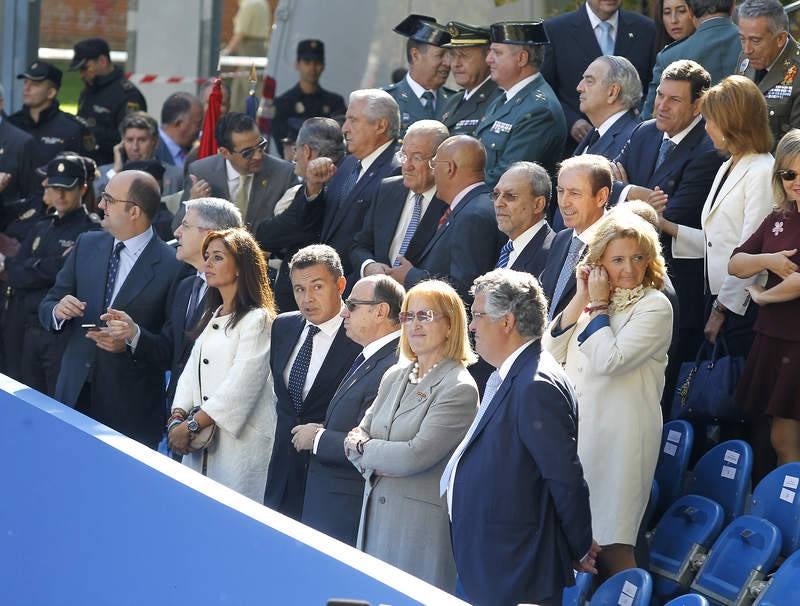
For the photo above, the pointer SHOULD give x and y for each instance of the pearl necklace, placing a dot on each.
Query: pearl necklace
(413, 376)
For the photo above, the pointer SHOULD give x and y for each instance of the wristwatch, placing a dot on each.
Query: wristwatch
(192, 425)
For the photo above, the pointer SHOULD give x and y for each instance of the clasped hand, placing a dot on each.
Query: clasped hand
(353, 438)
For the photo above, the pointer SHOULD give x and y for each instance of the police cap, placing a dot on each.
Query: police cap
(91, 48)
(311, 50)
(529, 33)
(463, 35)
(39, 71)
(66, 172)
(423, 29)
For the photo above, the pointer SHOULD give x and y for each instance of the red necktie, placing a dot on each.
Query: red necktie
(444, 217)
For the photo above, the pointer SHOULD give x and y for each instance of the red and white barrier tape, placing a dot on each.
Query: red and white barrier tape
(156, 79)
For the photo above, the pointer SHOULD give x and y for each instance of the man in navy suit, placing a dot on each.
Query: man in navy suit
(520, 199)
(309, 356)
(334, 489)
(129, 268)
(338, 196)
(599, 27)
(169, 348)
(405, 212)
(181, 119)
(467, 241)
(670, 162)
(516, 496)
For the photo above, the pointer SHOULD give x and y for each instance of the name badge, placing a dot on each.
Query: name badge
(501, 127)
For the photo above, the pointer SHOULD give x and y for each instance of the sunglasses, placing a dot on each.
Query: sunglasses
(423, 316)
(351, 304)
(249, 152)
(787, 174)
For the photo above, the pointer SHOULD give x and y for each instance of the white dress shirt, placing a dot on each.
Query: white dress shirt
(469, 93)
(595, 21)
(520, 85)
(522, 240)
(367, 162)
(419, 90)
(462, 194)
(322, 344)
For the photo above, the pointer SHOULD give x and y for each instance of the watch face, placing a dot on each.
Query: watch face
(193, 426)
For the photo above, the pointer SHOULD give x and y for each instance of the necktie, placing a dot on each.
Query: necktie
(297, 376)
(502, 99)
(412, 227)
(567, 271)
(430, 102)
(351, 181)
(492, 385)
(594, 137)
(194, 299)
(443, 219)
(242, 198)
(760, 73)
(505, 254)
(606, 38)
(666, 147)
(111, 275)
(356, 363)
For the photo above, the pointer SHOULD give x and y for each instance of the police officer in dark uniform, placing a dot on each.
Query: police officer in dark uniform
(107, 97)
(468, 47)
(53, 130)
(33, 271)
(306, 99)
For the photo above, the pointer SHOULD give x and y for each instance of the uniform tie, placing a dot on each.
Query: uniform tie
(666, 147)
(430, 103)
(299, 372)
(111, 276)
(505, 254)
(567, 271)
(606, 38)
(760, 73)
(412, 227)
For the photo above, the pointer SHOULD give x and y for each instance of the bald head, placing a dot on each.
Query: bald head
(130, 201)
(459, 162)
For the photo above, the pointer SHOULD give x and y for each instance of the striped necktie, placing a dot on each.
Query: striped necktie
(412, 227)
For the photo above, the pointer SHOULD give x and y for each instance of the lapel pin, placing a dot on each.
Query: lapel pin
(263, 182)
(422, 396)
(630, 34)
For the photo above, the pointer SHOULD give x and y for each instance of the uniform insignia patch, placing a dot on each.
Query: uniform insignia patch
(27, 214)
(60, 167)
(299, 108)
(36, 241)
(744, 65)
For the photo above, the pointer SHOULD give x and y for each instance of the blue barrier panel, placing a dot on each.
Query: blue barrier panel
(89, 517)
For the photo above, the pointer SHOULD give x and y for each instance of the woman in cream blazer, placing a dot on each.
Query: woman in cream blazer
(226, 380)
(740, 198)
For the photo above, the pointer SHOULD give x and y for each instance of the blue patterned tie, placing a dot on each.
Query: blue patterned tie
(430, 103)
(194, 299)
(666, 147)
(350, 183)
(505, 254)
(412, 227)
(111, 276)
(299, 372)
(606, 39)
(567, 271)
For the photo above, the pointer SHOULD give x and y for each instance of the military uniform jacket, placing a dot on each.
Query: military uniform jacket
(411, 109)
(33, 270)
(103, 104)
(462, 117)
(780, 86)
(294, 103)
(531, 126)
(55, 132)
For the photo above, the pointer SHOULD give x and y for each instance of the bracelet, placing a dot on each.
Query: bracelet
(592, 308)
(174, 423)
(719, 307)
(360, 446)
(179, 411)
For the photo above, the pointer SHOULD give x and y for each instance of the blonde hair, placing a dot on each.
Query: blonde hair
(788, 151)
(446, 299)
(617, 225)
(740, 112)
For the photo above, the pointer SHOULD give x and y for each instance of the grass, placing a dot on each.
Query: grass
(71, 86)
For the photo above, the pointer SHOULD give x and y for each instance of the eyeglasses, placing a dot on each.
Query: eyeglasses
(351, 304)
(249, 152)
(424, 316)
(787, 174)
(403, 157)
(503, 195)
(185, 226)
(477, 315)
(433, 162)
(109, 199)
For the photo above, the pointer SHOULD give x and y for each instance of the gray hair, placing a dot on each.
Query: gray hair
(318, 254)
(429, 128)
(771, 9)
(540, 182)
(215, 213)
(621, 71)
(380, 105)
(517, 293)
(324, 136)
(535, 54)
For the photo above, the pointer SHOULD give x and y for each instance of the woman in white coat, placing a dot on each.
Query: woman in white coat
(226, 380)
(613, 338)
(740, 198)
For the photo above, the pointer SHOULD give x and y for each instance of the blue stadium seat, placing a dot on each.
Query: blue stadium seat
(690, 599)
(673, 460)
(578, 594)
(688, 528)
(723, 475)
(742, 555)
(784, 587)
(776, 499)
(632, 587)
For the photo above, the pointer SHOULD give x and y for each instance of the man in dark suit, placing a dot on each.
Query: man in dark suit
(520, 516)
(467, 241)
(181, 119)
(670, 162)
(169, 348)
(127, 267)
(584, 183)
(520, 199)
(579, 37)
(421, 95)
(338, 196)
(309, 356)
(334, 489)
(241, 172)
(468, 48)
(405, 212)
(16, 165)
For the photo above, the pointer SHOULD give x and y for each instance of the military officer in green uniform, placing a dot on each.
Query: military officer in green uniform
(306, 99)
(526, 122)
(771, 58)
(468, 47)
(421, 95)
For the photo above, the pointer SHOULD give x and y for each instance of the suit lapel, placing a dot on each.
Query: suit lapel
(775, 76)
(721, 191)
(282, 356)
(683, 149)
(584, 34)
(426, 228)
(532, 249)
(625, 44)
(461, 205)
(420, 394)
(390, 213)
(414, 105)
(101, 258)
(141, 274)
(332, 363)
